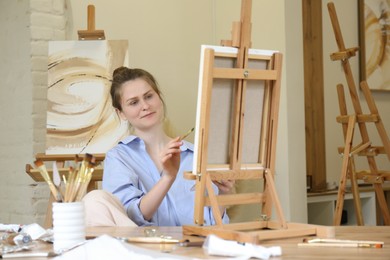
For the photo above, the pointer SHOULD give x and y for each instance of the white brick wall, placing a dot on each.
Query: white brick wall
(27, 25)
(47, 22)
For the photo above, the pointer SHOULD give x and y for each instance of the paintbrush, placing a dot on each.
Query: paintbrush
(80, 177)
(42, 169)
(86, 178)
(71, 179)
(324, 242)
(69, 183)
(187, 134)
(57, 180)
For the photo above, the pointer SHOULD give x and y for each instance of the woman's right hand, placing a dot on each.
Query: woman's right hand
(170, 157)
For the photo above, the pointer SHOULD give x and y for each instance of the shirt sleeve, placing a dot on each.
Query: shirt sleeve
(120, 179)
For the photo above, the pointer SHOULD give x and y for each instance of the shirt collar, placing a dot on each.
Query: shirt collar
(129, 139)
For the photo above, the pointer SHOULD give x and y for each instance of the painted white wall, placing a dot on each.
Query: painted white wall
(295, 182)
(15, 111)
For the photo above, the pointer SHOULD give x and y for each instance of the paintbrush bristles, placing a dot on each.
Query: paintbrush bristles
(77, 183)
(85, 181)
(45, 175)
(81, 179)
(187, 134)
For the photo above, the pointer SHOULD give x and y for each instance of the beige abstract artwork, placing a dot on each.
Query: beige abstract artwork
(377, 43)
(80, 117)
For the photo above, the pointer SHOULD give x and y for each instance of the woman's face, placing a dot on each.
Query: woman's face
(141, 105)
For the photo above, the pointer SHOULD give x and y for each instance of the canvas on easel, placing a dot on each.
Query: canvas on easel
(235, 139)
(80, 117)
(221, 112)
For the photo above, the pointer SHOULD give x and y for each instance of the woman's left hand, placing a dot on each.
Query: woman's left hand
(225, 186)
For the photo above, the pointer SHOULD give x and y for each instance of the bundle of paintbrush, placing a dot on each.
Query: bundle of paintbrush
(75, 186)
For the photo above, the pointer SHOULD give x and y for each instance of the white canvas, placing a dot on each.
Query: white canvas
(222, 94)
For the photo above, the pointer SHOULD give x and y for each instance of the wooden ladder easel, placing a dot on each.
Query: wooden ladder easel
(264, 228)
(365, 148)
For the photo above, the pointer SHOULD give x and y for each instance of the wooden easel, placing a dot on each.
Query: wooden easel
(365, 148)
(91, 33)
(62, 159)
(264, 228)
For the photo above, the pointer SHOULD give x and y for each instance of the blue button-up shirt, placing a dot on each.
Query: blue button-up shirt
(129, 173)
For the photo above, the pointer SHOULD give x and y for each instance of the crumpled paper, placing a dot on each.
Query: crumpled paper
(10, 227)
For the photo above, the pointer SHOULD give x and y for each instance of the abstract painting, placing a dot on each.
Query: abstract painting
(80, 117)
(374, 18)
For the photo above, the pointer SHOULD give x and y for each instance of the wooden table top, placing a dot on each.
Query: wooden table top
(290, 248)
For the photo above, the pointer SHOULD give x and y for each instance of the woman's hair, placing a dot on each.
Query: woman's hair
(124, 74)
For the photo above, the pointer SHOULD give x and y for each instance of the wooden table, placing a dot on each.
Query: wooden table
(290, 249)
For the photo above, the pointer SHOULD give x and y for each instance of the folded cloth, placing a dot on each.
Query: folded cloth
(214, 245)
(107, 247)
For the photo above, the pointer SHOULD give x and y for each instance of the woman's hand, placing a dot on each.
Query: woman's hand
(170, 162)
(170, 157)
(225, 186)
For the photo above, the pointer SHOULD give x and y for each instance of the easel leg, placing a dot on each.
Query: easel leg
(379, 124)
(199, 200)
(213, 201)
(355, 193)
(344, 171)
(382, 203)
(351, 163)
(386, 145)
(379, 191)
(274, 197)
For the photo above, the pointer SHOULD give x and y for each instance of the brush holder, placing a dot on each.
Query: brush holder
(68, 225)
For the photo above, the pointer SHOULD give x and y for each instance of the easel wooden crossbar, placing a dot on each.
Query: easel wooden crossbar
(365, 148)
(254, 78)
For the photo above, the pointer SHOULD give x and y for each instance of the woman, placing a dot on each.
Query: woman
(145, 170)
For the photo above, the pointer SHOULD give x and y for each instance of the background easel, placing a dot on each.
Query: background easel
(91, 33)
(365, 148)
(61, 160)
(263, 228)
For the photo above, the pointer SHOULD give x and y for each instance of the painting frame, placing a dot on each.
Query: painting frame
(374, 42)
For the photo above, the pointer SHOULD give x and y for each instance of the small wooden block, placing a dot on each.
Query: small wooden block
(91, 35)
(342, 55)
